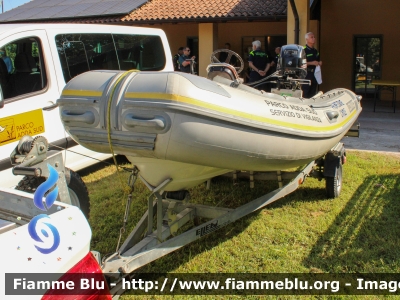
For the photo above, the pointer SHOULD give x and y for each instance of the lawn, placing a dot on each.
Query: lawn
(301, 233)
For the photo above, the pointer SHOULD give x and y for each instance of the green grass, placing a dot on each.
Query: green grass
(303, 232)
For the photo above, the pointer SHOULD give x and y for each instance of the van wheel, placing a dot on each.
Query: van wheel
(334, 184)
(77, 189)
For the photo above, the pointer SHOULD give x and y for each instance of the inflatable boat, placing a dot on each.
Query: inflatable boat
(187, 128)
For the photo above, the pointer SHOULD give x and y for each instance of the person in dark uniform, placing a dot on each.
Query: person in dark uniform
(258, 63)
(176, 59)
(273, 68)
(274, 62)
(184, 60)
(224, 55)
(312, 62)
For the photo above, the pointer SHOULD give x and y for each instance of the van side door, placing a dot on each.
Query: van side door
(30, 92)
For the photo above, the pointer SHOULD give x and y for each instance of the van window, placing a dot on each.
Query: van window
(84, 52)
(22, 70)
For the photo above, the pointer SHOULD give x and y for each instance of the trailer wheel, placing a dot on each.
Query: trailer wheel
(77, 189)
(334, 184)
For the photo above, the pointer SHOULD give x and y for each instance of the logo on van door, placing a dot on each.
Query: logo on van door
(40, 228)
(14, 127)
(7, 130)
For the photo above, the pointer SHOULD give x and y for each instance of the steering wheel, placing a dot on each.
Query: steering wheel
(231, 53)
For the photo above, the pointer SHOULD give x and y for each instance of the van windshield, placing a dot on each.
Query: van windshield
(84, 52)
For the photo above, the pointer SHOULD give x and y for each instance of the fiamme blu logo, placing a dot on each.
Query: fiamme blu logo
(40, 228)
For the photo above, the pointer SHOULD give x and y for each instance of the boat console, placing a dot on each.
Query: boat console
(290, 74)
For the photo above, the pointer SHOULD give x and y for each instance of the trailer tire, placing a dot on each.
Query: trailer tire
(77, 189)
(334, 184)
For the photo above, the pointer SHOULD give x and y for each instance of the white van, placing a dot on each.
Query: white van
(44, 57)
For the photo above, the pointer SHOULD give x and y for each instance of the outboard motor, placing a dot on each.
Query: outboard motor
(292, 61)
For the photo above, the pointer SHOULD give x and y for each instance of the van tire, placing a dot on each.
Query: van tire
(77, 189)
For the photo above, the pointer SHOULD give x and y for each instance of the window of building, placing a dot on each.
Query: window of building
(367, 62)
(85, 52)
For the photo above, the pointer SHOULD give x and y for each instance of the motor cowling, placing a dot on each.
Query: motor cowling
(292, 61)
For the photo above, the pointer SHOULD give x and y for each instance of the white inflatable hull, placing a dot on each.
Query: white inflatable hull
(188, 128)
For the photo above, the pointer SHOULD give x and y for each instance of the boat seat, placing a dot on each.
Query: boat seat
(224, 70)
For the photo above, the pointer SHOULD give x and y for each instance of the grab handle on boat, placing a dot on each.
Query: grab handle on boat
(154, 123)
(332, 115)
(82, 117)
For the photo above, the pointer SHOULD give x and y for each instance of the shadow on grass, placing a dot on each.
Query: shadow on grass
(364, 236)
(358, 232)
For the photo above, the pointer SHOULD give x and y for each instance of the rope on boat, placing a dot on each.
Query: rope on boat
(109, 122)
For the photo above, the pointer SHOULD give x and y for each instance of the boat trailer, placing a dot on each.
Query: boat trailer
(158, 227)
(155, 235)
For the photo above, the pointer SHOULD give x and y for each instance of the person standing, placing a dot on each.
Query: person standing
(274, 62)
(176, 59)
(185, 60)
(376, 66)
(224, 56)
(313, 61)
(258, 63)
(7, 61)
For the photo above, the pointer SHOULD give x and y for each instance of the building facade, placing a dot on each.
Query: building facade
(359, 42)
(357, 39)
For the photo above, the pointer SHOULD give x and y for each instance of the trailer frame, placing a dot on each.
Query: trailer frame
(136, 251)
